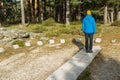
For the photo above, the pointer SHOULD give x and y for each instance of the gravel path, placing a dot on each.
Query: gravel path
(35, 67)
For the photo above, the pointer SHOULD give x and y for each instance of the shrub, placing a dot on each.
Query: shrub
(99, 29)
(66, 30)
(76, 32)
(116, 23)
(53, 34)
(49, 22)
(39, 29)
(18, 42)
(75, 23)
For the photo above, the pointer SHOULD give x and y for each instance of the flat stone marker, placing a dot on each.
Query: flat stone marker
(98, 40)
(39, 43)
(16, 46)
(75, 66)
(62, 41)
(113, 41)
(51, 41)
(2, 50)
(27, 44)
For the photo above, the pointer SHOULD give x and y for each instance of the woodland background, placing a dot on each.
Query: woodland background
(62, 11)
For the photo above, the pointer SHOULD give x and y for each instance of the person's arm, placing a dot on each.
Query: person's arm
(94, 26)
(83, 25)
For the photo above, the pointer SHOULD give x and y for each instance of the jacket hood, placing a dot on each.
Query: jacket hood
(88, 17)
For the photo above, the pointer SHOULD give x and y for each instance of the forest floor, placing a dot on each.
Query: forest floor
(42, 61)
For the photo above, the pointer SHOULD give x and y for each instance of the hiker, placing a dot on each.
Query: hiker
(89, 29)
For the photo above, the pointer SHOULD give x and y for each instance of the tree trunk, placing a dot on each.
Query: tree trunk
(67, 12)
(118, 16)
(35, 12)
(105, 15)
(1, 5)
(58, 11)
(63, 12)
(31, 9)
(112, 17)
(40, 11)
(108, 18)
(23, 14)
(79, 15)
(27, 12)
(45, 11)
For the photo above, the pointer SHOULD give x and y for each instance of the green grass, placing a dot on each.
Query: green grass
(19, 42)
(55, 30)
(116, 23)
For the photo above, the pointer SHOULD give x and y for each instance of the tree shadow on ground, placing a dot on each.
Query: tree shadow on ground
(102, 68)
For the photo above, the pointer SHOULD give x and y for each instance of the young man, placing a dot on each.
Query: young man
(89, 28)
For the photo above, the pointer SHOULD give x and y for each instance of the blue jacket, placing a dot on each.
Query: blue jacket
(89, 24)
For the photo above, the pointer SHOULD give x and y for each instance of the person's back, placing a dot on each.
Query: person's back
(89, 28)
(89, 24)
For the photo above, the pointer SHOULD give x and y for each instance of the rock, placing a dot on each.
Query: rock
(51, 41)
(2, 50)
(7, 35)
(15, 34)
(98, 40)
(16, 46)
(27, 44)
(36, 34)
(5, 41)
(62, 41)
(1, 36)
(39, 43)
(22, 34)
(44, 38)
(41, 34)
(3, 29)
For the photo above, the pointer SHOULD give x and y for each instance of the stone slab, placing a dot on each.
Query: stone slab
(16, 46)
(27, 44)
(75, 66)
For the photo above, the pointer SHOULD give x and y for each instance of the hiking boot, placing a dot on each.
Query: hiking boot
(87, 51)
(90, 51)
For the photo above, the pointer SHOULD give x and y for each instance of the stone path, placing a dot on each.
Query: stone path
(75, 66)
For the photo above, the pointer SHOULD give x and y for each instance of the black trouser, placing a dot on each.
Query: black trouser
(88, 41)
